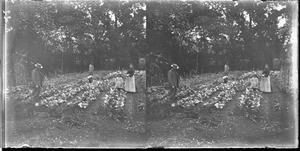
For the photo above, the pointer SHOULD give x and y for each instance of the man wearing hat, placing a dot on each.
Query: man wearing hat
(173, 80)
(37, 79)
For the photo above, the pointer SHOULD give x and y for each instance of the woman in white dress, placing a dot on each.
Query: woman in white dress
(130, 80)
(130, 88)
(265, 83)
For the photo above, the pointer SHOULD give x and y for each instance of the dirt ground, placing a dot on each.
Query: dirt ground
(91, 127)
(229, 127)
(74, 127)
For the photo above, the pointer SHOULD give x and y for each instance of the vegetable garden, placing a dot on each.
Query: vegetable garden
(208, 112)
(211, 92)
(72, 101)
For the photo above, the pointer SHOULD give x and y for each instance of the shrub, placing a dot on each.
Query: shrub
(142, 63)
(276, 63)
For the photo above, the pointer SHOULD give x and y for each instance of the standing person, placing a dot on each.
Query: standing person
(119, 82)
(37, 80)
(265, 83)
(129, 86)
(173, 80)
(226, 69)
(254, 82)
(91, 71)
(91, 68)
(130, 80)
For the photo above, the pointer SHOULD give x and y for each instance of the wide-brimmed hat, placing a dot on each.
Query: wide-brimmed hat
(38, 65)
(174, 65)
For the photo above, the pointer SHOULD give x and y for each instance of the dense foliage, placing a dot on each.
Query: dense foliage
(66, 36)
(202, 36)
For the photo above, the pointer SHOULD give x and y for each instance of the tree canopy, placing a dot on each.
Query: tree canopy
(202, 36)
(69, 35)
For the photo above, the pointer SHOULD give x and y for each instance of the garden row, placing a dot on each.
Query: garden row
(211, 92)
(73, 92)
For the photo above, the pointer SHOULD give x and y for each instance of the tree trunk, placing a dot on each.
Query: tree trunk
(197, 65)
(62, 62)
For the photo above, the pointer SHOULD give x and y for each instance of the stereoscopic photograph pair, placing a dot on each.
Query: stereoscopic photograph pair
(149, 74)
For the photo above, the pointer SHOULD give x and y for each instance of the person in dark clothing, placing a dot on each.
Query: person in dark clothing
(173, 80)
(37, 80)
(225, 79)
(266, 71)
(131, 70)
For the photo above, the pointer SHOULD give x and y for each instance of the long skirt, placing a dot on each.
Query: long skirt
(130, 84)
(265, 84)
